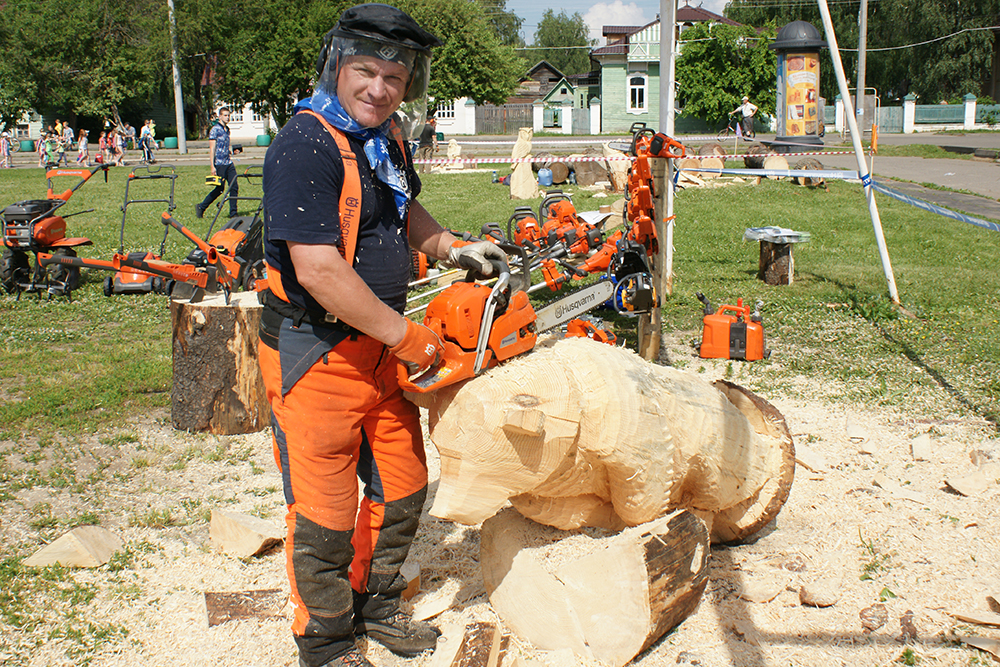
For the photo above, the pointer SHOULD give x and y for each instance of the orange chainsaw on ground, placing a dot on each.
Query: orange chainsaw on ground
(481, 326)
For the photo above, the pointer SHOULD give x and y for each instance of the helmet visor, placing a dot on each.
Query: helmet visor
(413, 111)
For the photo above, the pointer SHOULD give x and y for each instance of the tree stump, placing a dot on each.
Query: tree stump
(810, 163)
(217, 382)
(776, 265)
(605, 598)
(579, 433)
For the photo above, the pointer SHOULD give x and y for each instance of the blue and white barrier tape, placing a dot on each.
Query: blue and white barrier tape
(933, 208)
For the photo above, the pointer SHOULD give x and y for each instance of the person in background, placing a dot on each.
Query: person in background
(40, 149)
(102, 147)
(221, 155)
(747, 109)
(5, 150)
(83, 151)
(428, 144)
(341, 217)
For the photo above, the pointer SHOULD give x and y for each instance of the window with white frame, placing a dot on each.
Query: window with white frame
(258, 117)
(446, 111)
(638, 89)
(235, 114)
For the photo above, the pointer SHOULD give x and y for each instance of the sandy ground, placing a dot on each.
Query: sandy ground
(866, 506)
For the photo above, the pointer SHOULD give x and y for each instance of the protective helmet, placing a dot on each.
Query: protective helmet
(387, 33)
(213, 181)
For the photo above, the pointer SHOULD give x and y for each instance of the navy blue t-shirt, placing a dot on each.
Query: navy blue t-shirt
(303, 176)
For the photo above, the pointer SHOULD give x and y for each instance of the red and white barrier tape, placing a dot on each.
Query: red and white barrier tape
(510, 160)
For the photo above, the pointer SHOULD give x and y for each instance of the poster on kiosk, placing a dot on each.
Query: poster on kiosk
(801, 97)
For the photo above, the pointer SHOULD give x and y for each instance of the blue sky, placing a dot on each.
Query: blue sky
(597, 14)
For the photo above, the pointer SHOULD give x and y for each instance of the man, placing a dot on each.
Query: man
(746, 121)
(340, 219)
(428, 144)
(222, 165)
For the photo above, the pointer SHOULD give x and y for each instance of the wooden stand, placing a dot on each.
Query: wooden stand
(604, 599)
(217, 383)
(580, 433)
(776, 266)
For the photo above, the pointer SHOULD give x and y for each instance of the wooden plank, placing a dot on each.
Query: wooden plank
(481, 646)
(241, 605)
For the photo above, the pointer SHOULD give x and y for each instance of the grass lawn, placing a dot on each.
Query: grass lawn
(95, 361)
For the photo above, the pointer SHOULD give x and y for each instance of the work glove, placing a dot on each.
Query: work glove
(475, 255)
(420, 348)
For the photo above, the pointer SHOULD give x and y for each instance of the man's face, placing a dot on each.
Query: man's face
(371, 89)
(224, 117)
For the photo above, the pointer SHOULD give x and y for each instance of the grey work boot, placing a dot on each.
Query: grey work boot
(350, 658)
(399, 633)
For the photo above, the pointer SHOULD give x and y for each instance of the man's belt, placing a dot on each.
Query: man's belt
(316, 318)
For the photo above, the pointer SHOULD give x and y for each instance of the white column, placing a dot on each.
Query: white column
(537, 116)
(970, 112)
(838, 122)
(909, 113)
(470, 116)
(595, 115)
(567, 117)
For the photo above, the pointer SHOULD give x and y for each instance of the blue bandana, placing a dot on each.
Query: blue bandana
(376, 144)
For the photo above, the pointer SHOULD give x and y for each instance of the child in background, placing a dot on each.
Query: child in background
(41, 149)
(102, 146)
(83, 152)
(5, 150)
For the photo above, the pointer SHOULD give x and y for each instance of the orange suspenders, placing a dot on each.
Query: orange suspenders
(350, 201)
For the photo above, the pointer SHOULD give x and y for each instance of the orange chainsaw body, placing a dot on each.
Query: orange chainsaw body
(456, 316)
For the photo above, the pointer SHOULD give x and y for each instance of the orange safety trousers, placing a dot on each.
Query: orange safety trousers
(345, 419)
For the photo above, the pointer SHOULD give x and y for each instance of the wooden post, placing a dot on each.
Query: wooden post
(650, 326)
(217, 382)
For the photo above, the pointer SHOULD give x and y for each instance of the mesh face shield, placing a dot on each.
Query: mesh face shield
(387, 33)
(413, 111)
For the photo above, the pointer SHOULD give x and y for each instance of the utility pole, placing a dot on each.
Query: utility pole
(178, 95)
(859, 95)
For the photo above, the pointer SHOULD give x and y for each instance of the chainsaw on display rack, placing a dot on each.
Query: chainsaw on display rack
(482, 325)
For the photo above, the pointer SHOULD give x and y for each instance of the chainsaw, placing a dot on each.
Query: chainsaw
(481, 326)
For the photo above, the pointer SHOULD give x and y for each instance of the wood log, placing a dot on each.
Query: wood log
(579, 433)
(776, 266)
(711, 163)
(754, 158)
(617, 169)
(217, 385)
(810, 163)
(775, 162)
(712, 148)
(590, 172)
(560, 172)
(605, 598)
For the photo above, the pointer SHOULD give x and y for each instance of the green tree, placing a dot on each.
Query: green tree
(270, 61)
(507, 24)
(86, 56)
(563, 41)
(721, 63)
(472, 62)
